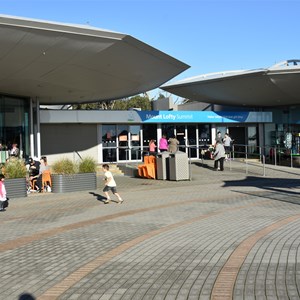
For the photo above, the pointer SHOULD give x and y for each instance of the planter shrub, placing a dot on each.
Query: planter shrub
(70, 177)
(15, 168)
(64, 166)
(15, 173)
(87, 165)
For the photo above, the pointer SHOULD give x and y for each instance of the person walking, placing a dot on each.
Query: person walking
(3, 198)
(163, 143)
(110, 185)
(173, 144)
(219, 156)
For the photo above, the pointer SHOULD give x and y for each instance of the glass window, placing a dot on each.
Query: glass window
(123, 142)
(252, 139)
(135, 142)
(14, 124)
(168, 130)
(135, 135)
(109, 155)
(149, 133)
(204, 135)
(192, 140)
(180, 135)
(109, 136)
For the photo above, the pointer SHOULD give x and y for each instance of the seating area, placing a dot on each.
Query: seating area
(46, 183)
(148, 168)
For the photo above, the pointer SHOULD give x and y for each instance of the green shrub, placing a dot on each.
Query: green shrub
(87, 165)
(15, 168)
(64, 166)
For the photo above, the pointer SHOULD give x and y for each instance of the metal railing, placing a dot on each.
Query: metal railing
(273, 155)
(246, 155)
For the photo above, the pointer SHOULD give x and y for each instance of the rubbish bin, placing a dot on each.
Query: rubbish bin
(178, 166)
(162, 165)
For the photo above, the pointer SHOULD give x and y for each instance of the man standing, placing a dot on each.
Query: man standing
(219, 156)
(227, 144)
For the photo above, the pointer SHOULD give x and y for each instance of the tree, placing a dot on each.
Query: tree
(142, 102)
(103, 105)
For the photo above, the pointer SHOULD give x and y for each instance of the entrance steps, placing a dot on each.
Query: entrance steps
(113, 168)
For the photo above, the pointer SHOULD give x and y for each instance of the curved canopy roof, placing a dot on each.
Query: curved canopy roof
(275, 86)
(63, 63)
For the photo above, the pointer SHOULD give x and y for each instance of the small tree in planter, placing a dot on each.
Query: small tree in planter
(70, 177)
(15, 173)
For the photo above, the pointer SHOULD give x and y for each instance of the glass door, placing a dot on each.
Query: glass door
(109, 143)
(180, 135)
(123, 149)
(135, 149)
(252, 139)
(192, 141)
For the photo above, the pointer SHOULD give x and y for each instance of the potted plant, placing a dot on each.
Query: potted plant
(68, 176)
(15, 173)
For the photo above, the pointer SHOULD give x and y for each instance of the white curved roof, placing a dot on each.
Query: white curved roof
(63, 63)
(274, 86)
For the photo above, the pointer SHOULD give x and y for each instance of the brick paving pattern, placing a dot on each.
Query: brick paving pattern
(221, 235)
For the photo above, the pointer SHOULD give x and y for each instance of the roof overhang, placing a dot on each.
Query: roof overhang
(275, 86)
(62, 63)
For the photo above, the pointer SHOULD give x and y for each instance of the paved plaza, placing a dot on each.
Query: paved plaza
(221, 235)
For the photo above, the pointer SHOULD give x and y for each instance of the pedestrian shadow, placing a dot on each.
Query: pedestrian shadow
(101, 198)
(282, 189)
(98, 196)
(204, 165)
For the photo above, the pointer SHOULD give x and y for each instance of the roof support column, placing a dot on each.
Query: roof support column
(31, 126)
(261, 136)
(38, 127)
(213, 134)
(159, 135)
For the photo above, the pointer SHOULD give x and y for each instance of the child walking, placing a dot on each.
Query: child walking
(3, 198)
(110, 185)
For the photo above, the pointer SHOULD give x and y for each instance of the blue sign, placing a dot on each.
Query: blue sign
(204, 117)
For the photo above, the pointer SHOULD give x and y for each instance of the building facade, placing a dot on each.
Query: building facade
(123, 136)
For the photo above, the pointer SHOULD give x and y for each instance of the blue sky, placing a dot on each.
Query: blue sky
(208, 35)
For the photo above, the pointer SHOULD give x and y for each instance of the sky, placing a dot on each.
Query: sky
(208, 35)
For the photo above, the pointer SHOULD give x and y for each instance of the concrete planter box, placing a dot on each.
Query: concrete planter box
(73, 183)
(16, 187)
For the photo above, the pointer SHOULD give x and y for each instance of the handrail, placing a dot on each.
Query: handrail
(273, 155)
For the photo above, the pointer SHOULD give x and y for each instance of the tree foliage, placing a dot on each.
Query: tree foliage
(142, 102)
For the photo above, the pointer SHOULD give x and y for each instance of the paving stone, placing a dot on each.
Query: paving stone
(169, 239)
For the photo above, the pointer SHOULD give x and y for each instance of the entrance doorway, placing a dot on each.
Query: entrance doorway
(238, 134)
(245, 139)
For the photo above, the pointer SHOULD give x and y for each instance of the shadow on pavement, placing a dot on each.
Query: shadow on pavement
(281, 188)
(98, 196)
